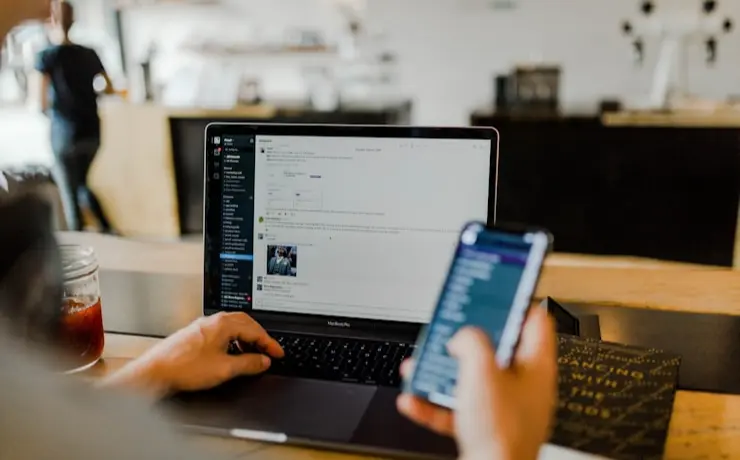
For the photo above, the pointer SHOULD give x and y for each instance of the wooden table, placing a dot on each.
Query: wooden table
(703, 426)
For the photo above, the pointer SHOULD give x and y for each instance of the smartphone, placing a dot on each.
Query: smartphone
(490, 284)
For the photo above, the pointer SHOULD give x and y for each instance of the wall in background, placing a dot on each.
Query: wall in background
(449, 50)
(24, 138)
(171, 27)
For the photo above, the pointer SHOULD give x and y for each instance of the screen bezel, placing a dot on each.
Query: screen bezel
(516, 316)
(320, 323)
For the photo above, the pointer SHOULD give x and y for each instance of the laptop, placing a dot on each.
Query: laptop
(337, 240)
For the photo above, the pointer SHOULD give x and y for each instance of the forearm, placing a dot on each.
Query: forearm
(137, 377)
(107, 91)
(109, 88)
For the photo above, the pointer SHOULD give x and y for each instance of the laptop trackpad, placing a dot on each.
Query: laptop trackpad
(304, 408)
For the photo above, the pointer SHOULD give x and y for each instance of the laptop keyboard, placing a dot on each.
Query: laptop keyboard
(341, 359)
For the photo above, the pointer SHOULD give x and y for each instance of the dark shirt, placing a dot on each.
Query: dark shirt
(73, 100)
(281, 267)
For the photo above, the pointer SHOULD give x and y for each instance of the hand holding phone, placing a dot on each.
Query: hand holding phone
(501, 413)
(490, 285)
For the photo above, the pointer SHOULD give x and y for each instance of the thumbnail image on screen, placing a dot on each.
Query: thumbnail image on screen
(282, 260)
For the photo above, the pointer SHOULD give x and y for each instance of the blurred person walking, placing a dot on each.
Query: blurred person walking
(69, 98)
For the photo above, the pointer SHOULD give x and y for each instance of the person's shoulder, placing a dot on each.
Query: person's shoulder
(89, 54)
(78, 49)
(48, 51)
(83, 48)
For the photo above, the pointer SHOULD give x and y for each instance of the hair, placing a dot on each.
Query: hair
(65, 15)
(30, 269)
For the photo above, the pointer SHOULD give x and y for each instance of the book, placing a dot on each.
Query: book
(614, 400)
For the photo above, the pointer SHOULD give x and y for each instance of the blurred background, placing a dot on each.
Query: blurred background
(619, 119)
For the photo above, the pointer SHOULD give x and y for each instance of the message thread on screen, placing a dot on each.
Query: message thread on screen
(345, 226)
(484, 283)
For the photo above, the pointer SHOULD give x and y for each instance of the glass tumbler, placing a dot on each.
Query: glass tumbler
(81, 333)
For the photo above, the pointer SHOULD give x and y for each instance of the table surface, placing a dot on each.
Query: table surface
(703, 425)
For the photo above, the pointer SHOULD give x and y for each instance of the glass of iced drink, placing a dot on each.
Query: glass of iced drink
(81, 332)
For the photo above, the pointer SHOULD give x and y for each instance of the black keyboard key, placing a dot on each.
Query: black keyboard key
(357, 361)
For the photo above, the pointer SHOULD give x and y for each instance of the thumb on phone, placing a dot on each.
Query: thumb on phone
(475, 354)
(478, 370)
(479, 380)
(537, 352)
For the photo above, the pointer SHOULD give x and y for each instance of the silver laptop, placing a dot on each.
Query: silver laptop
(337, 240)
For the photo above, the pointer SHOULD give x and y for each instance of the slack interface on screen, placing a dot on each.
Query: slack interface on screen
(233, 172)
(345, 226)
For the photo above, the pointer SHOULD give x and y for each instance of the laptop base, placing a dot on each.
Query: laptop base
(316, 413)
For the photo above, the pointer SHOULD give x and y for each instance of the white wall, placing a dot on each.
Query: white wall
(24, 138)
(449, 53)
(449, 50)
(234, 21)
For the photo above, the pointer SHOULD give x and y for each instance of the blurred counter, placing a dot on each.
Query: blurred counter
(149, 173)
(726, 118)
(686, 119)
(662, 186)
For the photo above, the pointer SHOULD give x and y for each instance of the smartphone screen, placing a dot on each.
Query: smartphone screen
(490, 285)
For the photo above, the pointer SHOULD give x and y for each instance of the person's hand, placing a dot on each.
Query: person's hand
(196, 358)
(500, 413)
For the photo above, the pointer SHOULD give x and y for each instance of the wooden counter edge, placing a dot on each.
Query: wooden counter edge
(631, 282)
(256, 111)
(695, 119)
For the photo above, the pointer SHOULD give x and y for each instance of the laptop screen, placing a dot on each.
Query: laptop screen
(341, 226)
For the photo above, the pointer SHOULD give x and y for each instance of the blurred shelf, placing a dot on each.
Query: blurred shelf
(239, 111)
(122, 4)
(260, 51)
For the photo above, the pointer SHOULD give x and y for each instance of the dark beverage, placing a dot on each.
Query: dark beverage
(81, 332)
(81, 329)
